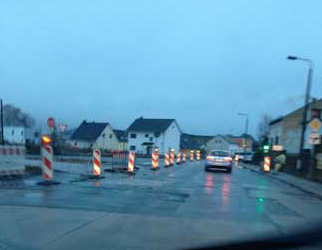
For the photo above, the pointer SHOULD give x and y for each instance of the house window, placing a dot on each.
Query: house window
(22, 132)
(111, 136)
(151, 138)
(146, 135)
(132, 147)
(133, 136)
(316, 113)
(276, 140)
(103, 135)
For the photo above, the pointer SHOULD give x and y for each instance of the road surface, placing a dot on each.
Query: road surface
(172, 208)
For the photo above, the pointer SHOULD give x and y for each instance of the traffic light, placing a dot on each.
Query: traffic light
(45, 140)
(266, 146)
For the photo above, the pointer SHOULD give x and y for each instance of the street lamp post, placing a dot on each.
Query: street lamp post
(246, 129)
(306, 106)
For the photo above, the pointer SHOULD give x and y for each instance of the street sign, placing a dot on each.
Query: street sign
(51, 122)
(62, 128)
(315, 124)
(315, 138)
(277, 148)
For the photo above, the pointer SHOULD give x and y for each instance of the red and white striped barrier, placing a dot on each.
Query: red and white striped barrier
(47, 162)
(191, 155)
(130, 167)
(12, 160)
(97, 162)
(166, 160)
(267, 164)
(198, 155)
(155, 159)
(172, 157)
(184, 157)
(178, 158)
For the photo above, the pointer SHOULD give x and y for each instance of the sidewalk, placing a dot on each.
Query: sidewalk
(305, 185)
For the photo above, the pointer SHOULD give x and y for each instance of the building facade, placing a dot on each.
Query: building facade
(146, 134)
(286, 130)
(21, 135)
(90, 135)
(223, 142)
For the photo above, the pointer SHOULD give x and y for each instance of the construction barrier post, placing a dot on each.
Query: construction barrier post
(178, 158)
(184, 157)
(198, 155)
(166, 160)
(130, 167)
(48, 162)
(97, 162)
(267, 164)
(172, 157)
(191, 155)
(155, 159)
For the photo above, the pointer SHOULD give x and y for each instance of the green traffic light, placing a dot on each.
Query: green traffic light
(266, 147)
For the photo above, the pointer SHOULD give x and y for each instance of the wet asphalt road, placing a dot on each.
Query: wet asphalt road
(173, 207)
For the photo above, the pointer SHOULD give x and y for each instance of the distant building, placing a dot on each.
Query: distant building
(146, 134)
(242, 144)
(193, 142)
(20, 135)
(121, 136)
(98, 135)
(286, 130)
(223, 142)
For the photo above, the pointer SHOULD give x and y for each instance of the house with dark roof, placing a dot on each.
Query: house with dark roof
(286, 130)
(98, 135)
(146, 134)
(223, 142)
(245, 141)
(193, 142)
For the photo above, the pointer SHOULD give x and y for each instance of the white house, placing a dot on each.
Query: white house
(222, 142)
(146, 134)
(99, 135)
(20, 135)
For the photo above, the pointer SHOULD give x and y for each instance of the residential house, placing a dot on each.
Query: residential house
(98, 135)
(20, 135)
(286, 130)
(245, 142)
(194, 142)
(121, 136)
(146, 134)
(223, 142)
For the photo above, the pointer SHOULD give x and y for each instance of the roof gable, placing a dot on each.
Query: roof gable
(89, 131)
(226, 138)
(120, 135)
(150, 125)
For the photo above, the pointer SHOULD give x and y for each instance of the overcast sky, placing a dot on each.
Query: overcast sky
(199, 61)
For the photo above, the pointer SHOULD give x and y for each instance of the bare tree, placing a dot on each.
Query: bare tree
(13, 116)
(263, 126)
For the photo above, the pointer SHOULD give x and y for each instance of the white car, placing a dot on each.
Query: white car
(246, 156)
(219, 159)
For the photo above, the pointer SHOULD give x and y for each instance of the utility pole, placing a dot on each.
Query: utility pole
(1, 118)
(306, 106)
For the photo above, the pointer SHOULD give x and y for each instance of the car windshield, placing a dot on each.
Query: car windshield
(159, 124)
(219, 153)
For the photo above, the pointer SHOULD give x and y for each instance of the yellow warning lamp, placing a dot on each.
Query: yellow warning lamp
(45, 139)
